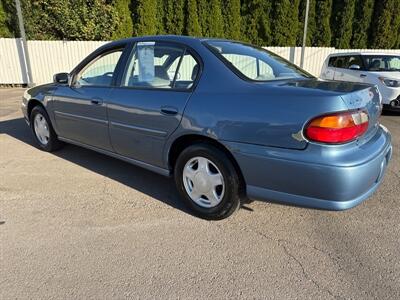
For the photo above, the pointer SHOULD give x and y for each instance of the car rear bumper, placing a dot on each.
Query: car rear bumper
(325, 177)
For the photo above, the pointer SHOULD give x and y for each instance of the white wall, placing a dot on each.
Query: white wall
(50, 57)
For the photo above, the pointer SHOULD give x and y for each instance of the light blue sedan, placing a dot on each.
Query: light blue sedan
(228, 120)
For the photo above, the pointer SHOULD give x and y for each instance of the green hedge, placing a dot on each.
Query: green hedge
(336, 23)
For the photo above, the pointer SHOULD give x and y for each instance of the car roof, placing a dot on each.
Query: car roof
(363, 53)
(167, 38)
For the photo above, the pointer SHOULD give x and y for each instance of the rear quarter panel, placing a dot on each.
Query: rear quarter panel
(271, 114)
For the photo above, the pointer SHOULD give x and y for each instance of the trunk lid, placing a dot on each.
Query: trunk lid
(366, 98)
(274, 114)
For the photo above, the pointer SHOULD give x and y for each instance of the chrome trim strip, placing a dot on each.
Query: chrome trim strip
(159, 170)
(78, 117)
(139, 129)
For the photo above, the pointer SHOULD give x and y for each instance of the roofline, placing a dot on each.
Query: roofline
(365, 53)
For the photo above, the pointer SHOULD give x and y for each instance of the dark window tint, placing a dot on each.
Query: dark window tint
(332, 62)
(341, 62)
(385, 63)
(354, 60)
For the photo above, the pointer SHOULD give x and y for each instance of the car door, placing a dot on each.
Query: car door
(148, 104)
(340, 68)
(80, 108)
(354, 69)
(328, 71)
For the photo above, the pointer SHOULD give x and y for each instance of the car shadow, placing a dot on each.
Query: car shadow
(391, 112)
(156, 186)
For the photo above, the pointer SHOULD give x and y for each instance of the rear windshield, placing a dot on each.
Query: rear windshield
(255, 63)
(384, 63)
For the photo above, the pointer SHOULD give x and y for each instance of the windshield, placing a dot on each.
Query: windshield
(384, 63)
(255, 63)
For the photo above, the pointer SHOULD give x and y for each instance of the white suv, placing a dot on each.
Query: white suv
(375, 68)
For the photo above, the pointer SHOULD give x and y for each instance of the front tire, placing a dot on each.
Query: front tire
(43, 131)
(207, 181)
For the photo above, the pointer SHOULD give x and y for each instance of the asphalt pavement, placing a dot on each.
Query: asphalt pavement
(78, 224)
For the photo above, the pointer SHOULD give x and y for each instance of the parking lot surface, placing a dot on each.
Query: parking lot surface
(78, 224)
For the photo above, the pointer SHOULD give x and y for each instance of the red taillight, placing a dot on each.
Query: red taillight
(337, 128)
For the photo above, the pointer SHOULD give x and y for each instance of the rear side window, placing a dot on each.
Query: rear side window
(186, 70)
(160, 65)
(387, 63)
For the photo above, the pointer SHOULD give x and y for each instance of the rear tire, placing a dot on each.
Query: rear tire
(43, 131)
(207, 181)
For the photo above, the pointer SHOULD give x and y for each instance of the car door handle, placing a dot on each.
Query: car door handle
(363, 75)
(96, 101)
(169, 110)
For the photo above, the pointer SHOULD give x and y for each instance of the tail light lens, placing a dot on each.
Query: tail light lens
(337, 128)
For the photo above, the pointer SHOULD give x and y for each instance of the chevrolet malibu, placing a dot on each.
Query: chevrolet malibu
(229, 121)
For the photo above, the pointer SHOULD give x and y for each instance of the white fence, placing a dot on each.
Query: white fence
(50, 57)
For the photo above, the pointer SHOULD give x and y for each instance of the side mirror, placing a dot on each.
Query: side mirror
(61, 78)
(355, 67)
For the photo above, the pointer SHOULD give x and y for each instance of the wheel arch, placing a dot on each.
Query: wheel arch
(31, 104)
(184, 141)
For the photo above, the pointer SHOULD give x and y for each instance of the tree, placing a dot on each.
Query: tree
(396, 26)
(4, 31)
(384, 24)
(285, 22)
(361, 23)
(192, 22)
(71, 20)
(161, 16)
(145, 17)
(202, 11)
(124, 25)
(342, 25)
(311, 29)
(322, 35)
(215, 20)
(174, 16)
(339, 23)
(232, 19)
(397, 21)
(256, 22)
(9, 18)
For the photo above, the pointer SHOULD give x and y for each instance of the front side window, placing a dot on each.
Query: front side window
(341, 62)
(255, 63)
(332, 62)
(386, 63)
(100, 71)
(160, 65)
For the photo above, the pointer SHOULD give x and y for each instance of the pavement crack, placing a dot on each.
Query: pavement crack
(306, 276)
(281, 243)
(394, 173)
